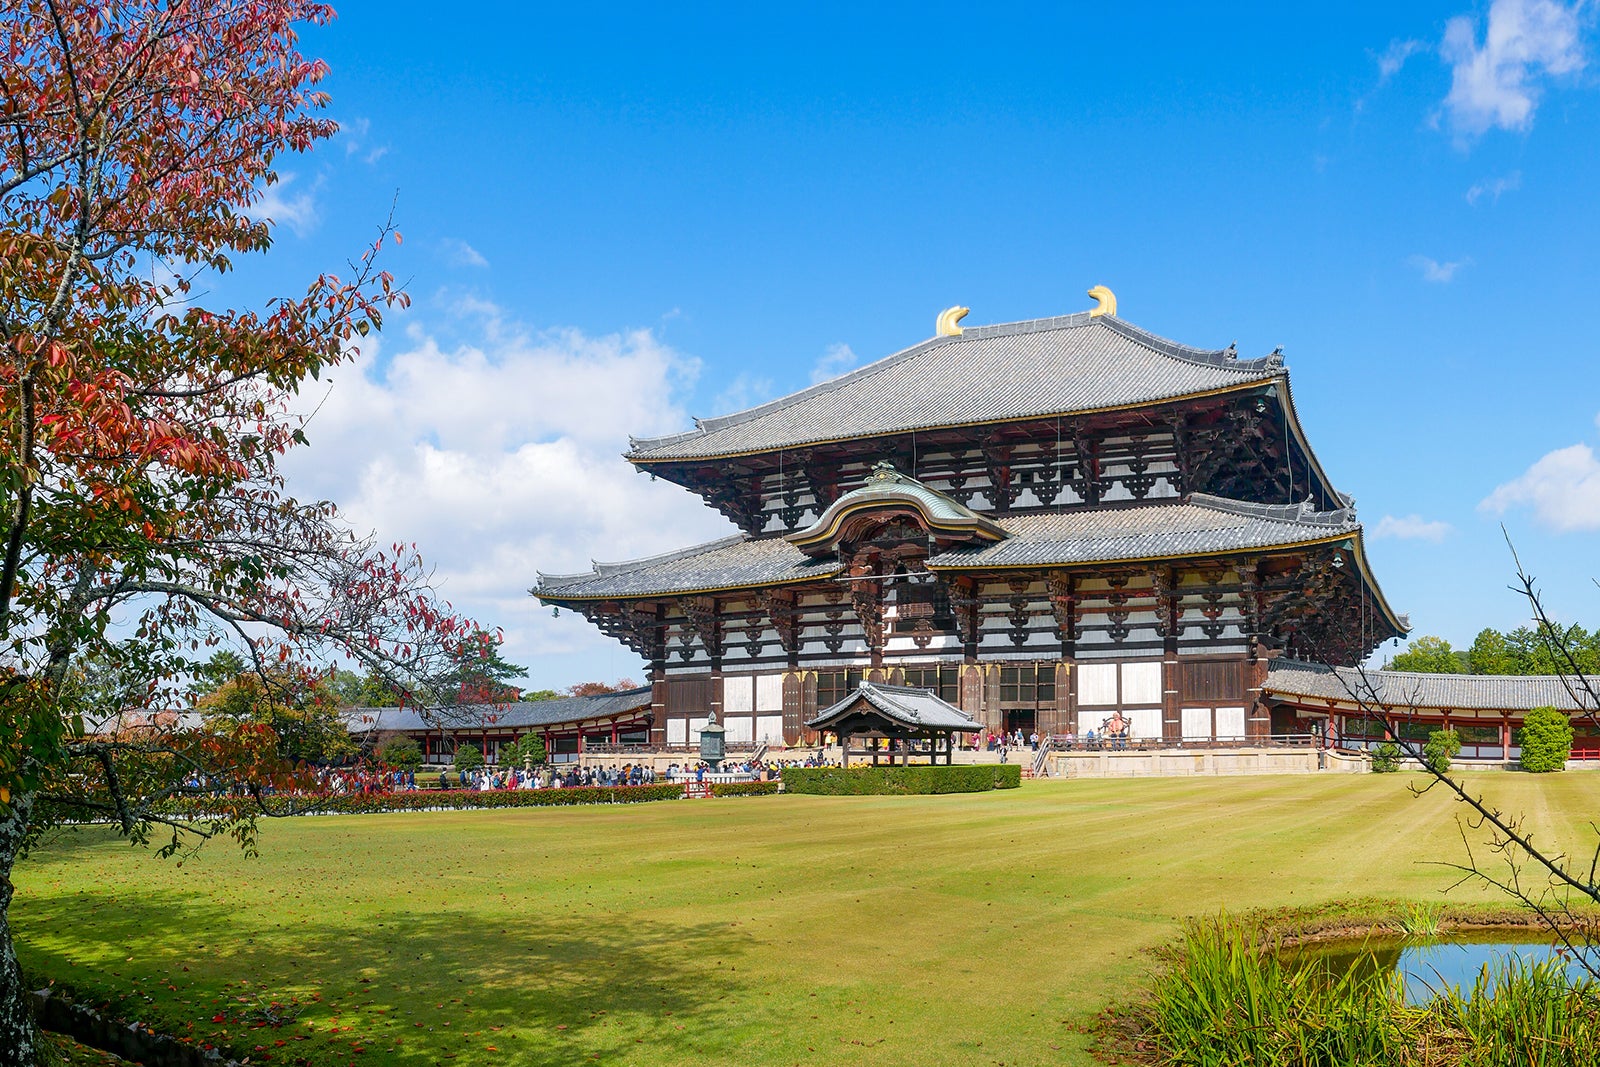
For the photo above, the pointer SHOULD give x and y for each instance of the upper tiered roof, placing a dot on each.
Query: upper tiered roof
(1067, 365)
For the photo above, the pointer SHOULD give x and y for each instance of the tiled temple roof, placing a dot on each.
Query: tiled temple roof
(1204, 525)
(518, 715)
(1457, 692)
(916, 708)
(1062, 365)
(729, 563)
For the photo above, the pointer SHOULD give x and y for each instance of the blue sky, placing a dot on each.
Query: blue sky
(616, 218)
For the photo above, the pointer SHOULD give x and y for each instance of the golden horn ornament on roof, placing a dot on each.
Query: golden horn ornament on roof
(946, 324)
(1107, 299)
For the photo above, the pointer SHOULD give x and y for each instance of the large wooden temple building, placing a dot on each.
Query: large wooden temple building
(1041, 522)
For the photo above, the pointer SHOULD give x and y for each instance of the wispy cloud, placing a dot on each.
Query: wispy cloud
(460, 254)
(1562, 488)
(1432, 270)
(835, 360)
(356, 136)
(1493, 188)
(1412, 528)
(745, 391)
(1394, 57)
(298, 211)
(1497, 83)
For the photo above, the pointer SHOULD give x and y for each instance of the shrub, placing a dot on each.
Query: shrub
(445, 800)
(901, 781)
(1546, 740)
(402, 752)
(1441, 747)
(529, 748)
(1386, 758)
(743, 789)
(467, 758)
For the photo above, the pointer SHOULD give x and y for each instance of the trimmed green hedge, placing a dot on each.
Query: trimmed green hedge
(450, 800)
(901, 781)
(743, 789)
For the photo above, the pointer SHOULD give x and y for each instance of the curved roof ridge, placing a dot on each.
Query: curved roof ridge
(1209, 357)
(722, 422)
(602, 570)
(1221, 358)
(1302, 513)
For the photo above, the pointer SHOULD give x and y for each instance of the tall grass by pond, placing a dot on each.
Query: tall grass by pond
(1226, 999)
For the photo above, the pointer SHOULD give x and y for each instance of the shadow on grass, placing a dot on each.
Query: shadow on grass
(437, 986)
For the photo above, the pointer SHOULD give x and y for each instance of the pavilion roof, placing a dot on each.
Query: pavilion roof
(1065, 365)
(917, 709)
(1295, 679)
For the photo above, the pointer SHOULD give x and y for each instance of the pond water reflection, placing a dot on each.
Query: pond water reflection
(1428, 967)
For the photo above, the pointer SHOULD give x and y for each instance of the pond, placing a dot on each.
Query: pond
(1429, 966)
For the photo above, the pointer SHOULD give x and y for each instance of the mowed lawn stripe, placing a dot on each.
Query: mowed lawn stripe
(852, 930)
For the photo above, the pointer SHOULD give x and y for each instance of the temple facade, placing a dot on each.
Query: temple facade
(1041, 522)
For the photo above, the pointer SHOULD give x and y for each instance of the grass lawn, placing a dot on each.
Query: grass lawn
(965, 929)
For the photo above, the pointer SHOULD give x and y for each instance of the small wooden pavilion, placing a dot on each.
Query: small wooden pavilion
(915, 723)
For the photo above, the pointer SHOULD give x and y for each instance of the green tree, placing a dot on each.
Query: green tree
(1441, 747)
(529, 748)
(402, 752)
(1386, 758)
(1427, 655)
(535, 696)
(302, 713)
(1491, 653)
(143, 515)
(1546, 740)
(467, 758)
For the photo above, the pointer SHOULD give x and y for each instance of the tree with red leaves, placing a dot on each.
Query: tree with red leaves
(143, 517)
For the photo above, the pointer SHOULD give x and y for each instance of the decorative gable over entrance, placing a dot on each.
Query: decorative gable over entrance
(888, 495)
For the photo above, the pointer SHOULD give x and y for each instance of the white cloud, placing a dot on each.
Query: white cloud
(297, 211)
(1498, 83)
(1562, 488)
(1494, 188)
(460, 254)
(1412, 528)
(355, 135)
(835, 360)
(745, 391)
(501, 458)
(1434, 271)
(1394, 57)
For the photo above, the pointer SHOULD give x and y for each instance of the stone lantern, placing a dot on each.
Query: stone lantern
(713, 742)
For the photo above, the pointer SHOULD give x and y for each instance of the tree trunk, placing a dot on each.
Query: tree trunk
(19, 1040)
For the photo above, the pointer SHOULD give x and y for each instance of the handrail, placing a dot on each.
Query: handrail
(1047, 745)
(1147, 744)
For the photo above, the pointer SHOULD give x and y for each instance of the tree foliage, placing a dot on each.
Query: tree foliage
(1440, 749)
(529, 748)
(592, 689)
(301, 713)
(467, 758)
(1546, 740)
(144, 522)
(402, 752)
(1428, 655)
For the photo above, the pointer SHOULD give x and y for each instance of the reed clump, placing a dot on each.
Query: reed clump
(1226, 998)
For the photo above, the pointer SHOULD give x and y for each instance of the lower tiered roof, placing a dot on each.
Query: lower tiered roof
(1199, 526)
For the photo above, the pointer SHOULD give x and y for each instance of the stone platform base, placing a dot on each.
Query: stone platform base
(1181, 763)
